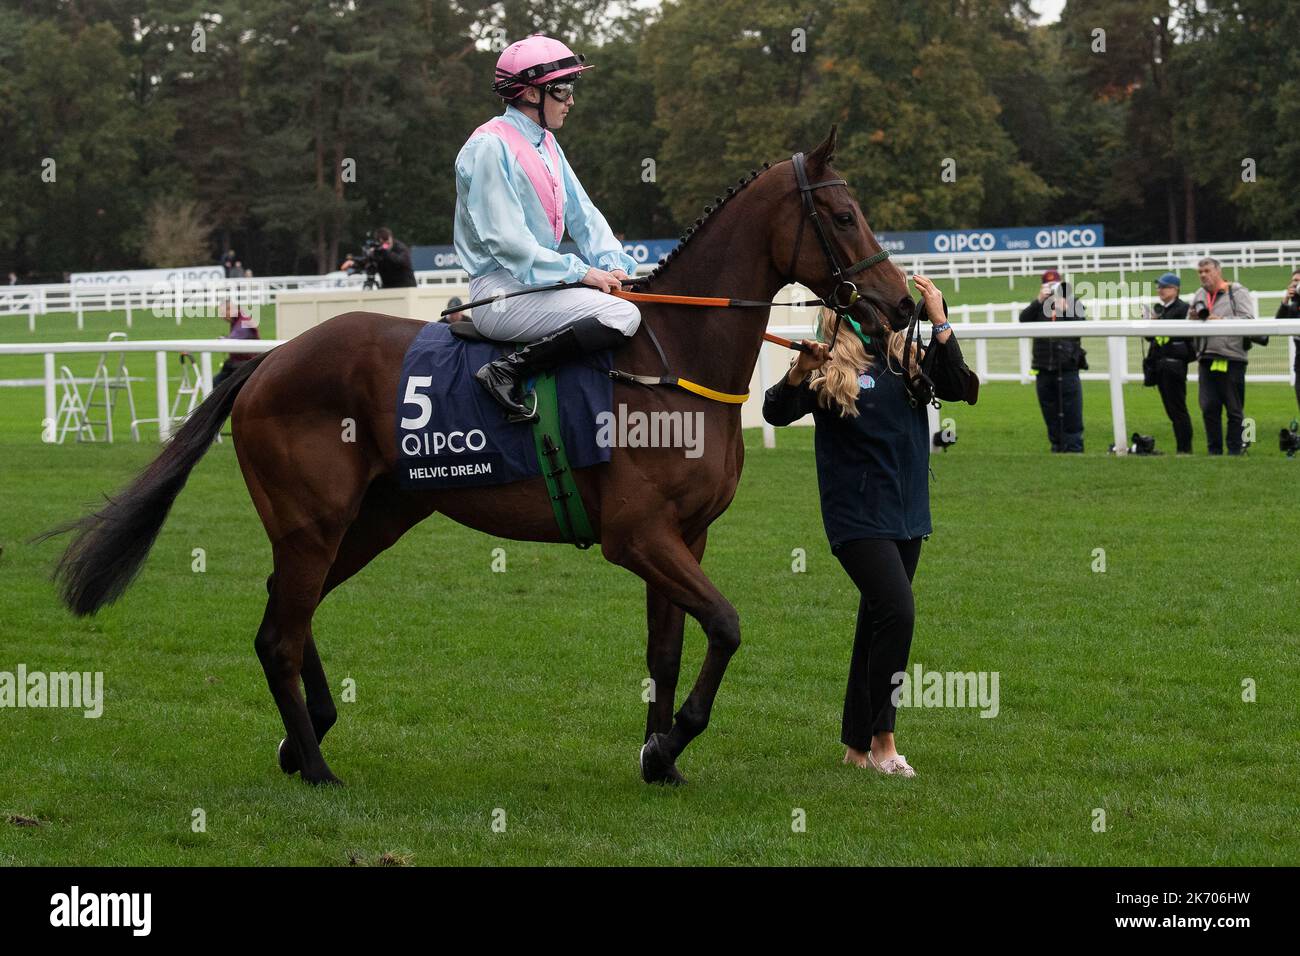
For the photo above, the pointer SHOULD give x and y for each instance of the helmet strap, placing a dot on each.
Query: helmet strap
(541, 106)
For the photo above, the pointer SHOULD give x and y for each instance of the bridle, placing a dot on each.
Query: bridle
(845, 293)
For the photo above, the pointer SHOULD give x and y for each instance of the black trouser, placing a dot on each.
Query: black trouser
(1060, 396)
(1297, 373)
(882, 571)
(1220, 392)
(1171, 381)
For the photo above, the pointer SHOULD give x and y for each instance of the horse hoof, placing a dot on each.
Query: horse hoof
(287, 757)
(656, 767)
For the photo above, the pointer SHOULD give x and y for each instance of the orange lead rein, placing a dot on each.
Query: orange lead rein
(706, 301)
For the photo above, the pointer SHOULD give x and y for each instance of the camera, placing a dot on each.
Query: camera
(1289, 439)
(1203, 313)
(1140, 445)
(366, 262)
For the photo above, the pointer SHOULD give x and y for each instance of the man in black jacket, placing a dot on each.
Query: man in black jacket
(1170, 357)
(393, 259)
(1056, 364)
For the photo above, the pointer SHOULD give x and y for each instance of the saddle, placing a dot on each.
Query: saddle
(467, 331)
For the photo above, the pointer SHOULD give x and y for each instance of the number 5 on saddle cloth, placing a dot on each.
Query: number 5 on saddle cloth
(451, 434)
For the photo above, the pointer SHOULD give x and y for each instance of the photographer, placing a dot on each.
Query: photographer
(1290, 309)
(1222, 365)
(1056, 364)
(1166, 362)
(391, 259)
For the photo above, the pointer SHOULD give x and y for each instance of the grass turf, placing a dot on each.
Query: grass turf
(520, 692)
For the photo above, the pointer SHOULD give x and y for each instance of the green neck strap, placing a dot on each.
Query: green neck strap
(857, 329)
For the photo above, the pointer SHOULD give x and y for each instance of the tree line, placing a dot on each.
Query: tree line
(163, 132)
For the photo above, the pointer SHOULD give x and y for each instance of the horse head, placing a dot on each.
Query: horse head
(821, 239)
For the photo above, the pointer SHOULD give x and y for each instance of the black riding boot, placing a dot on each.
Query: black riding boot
(504, 379)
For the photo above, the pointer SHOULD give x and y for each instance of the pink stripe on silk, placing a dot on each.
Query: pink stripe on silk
(549, 186)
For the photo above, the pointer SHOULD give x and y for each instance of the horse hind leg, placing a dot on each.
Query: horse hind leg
(385, 515)
(281, 646)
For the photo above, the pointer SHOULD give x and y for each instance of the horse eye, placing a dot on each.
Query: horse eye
(844, 218)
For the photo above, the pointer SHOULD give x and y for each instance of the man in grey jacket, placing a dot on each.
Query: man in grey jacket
(1222, 369)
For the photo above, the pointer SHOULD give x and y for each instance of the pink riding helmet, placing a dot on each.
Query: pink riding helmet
(534, 61)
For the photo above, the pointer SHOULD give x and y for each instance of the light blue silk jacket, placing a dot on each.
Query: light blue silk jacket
(500, 222)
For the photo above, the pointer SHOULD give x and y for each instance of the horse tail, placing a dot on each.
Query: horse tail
(111, 544)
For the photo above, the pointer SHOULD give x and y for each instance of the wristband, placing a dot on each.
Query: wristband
(939, 328)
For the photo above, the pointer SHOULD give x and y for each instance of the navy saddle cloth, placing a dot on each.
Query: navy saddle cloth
(451, 434)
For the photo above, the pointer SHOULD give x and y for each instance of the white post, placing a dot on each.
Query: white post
(1117, 352)
(1026, 373)
(164, 411)
(205, 372)
(127, 297)
(769, 432)
(31, 313)
(982, 349)
(1290, 358)
(51, 408)
(81, 318)
(179, 301)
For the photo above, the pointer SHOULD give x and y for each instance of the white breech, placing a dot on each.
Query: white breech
(527, 318)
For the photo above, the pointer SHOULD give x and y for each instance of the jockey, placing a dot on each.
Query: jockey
(515, 194)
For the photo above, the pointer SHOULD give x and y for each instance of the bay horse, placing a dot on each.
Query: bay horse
(330, 506)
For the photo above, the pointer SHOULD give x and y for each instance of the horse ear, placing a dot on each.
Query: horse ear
(821, 156)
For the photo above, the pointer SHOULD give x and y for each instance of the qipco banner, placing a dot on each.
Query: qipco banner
(150, 277)
(1020, 239)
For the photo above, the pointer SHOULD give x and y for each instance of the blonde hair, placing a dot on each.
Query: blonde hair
(836, 382)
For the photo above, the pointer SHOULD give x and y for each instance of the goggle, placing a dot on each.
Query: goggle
(561, 92)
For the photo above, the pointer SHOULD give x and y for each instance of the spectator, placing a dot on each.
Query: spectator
(1290, 309)
(459, 315)
(228, 263)
(1222, 358)
(13, 278)
(236, 271)
(241, 327)
(1170, 357)
(1056, 364)
(393, 259)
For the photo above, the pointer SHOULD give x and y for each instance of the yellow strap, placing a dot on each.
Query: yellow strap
(1219, 365)
(710, 393)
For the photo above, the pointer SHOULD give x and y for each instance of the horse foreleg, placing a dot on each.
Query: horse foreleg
(665, 623)
(673, 572)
